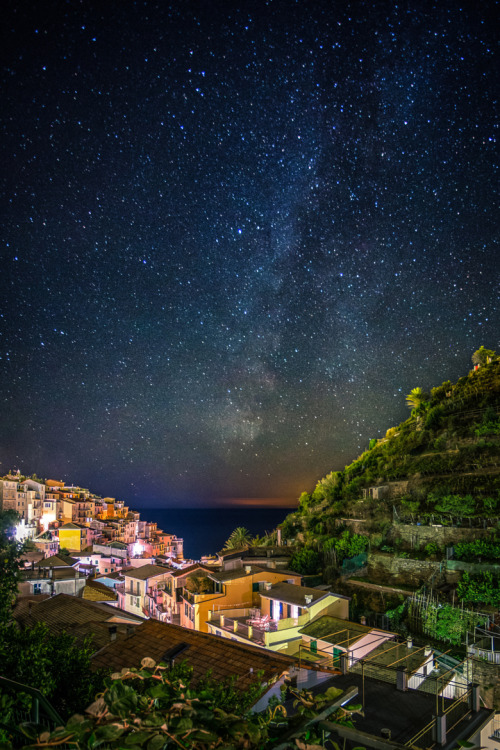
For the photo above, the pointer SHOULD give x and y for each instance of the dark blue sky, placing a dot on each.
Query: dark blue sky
(235, 235)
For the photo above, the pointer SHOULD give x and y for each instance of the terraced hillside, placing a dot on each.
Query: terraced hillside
(440, 467)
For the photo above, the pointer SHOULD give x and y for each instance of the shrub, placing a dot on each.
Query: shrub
(432, 548)
(306, 562)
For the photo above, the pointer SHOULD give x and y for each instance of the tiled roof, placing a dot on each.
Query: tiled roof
(190, 569)
(56, 561)
(204, 652)
(281, 571)
(78, 617)
(228, 553)
(235, 573)
(146, 571)
(335, 630)
(70, 526)
(293, 594)
(94, 591)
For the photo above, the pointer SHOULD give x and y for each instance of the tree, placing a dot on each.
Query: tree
(50, 663)
(240, 538)
(416, 398)
(305, 561)
(481, 356)
(10, 563)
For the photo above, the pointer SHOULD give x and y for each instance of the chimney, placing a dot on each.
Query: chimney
(308, 598)
(268, 586)
(248, 569)
(427, 650)
(409, 642)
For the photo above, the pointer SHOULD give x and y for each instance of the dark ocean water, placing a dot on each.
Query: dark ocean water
(205, 530)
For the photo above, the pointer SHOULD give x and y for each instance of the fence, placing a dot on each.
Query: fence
(29, 705)
(349, 566)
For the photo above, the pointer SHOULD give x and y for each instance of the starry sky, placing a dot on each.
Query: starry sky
(236, 234)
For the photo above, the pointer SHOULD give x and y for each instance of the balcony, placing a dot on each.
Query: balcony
(248, 623)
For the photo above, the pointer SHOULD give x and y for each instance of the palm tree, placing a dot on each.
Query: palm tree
(240, 538)
(416, 398)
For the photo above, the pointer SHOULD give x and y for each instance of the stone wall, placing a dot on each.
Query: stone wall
(416, 537)
(391, 570)
(487, 675)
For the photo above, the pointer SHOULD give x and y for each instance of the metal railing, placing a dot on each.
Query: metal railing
(36, 710)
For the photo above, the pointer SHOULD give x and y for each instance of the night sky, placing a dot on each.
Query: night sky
(236, 234)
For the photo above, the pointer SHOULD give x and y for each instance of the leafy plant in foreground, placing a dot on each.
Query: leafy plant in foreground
(157, 708)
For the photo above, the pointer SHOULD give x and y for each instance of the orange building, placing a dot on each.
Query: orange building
(228, 589)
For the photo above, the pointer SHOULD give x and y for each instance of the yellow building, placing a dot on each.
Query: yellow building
(284, 610)
(73, 537)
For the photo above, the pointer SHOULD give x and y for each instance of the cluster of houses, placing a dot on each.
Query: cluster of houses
(99, 570)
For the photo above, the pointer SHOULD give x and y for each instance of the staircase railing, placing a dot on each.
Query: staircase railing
(40, 712)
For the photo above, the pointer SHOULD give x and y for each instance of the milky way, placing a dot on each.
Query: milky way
(235, 235)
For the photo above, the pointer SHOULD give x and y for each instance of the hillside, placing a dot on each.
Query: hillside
(440, 470)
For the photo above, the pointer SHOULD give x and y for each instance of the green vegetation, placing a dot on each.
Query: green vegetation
(306, 561)
(199, 584)
(240, 538)
(447, 455)
(158, 707)
(482, 356)
(10, 564)
(482, 589)
(34, 656)
(417, 399)
(50, 663)
(490, 423)
(425, 615)
(480, 549)
(331, 552)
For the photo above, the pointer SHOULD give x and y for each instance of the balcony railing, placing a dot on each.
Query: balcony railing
(252, 628)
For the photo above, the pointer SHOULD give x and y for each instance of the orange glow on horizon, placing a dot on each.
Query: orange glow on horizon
(261, 502)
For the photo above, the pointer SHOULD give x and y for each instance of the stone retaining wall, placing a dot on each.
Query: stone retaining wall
(418, 536)
(393, 570)
(487, 675)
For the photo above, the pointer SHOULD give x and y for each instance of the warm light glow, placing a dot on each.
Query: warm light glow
(46, 519)
(19, 532)
(137, 549)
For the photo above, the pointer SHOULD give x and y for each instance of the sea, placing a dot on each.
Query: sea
(205, 530)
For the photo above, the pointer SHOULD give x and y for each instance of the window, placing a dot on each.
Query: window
(255, 586)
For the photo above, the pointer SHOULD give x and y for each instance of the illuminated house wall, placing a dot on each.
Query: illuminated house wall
(73, 537)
